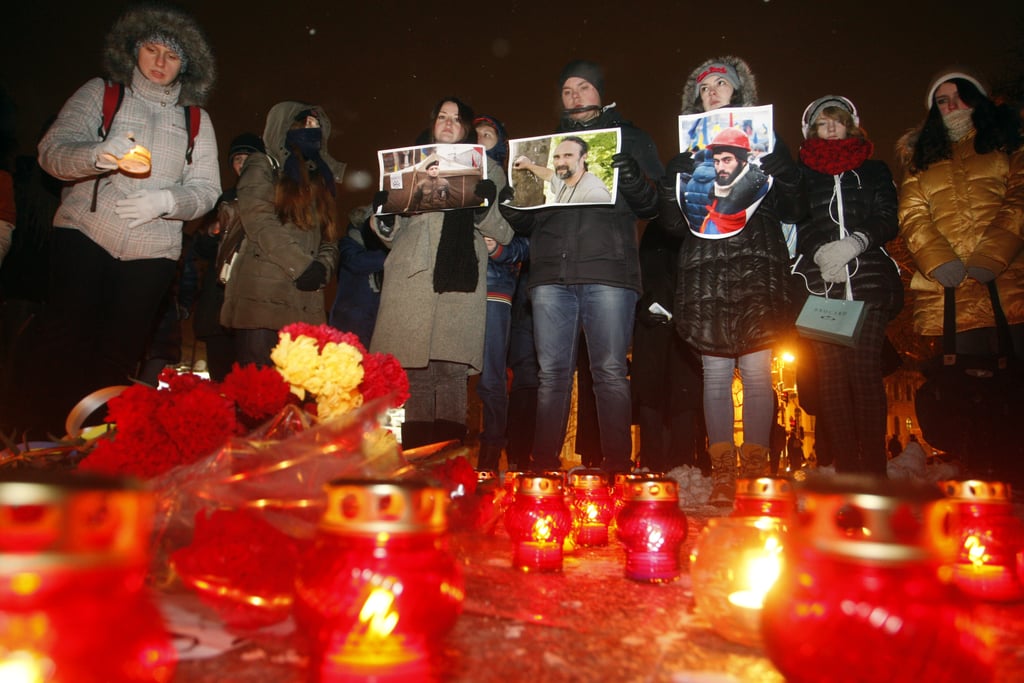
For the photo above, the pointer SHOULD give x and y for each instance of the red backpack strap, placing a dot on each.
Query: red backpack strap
(192, 118)
(113, 96)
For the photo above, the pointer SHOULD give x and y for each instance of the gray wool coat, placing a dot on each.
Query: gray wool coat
(417, 324)
(261, 292)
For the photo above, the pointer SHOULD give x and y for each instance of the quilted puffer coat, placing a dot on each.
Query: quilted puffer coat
(969, 207)
(868, 197)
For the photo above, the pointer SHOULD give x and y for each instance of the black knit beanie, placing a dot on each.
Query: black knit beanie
(588, 71)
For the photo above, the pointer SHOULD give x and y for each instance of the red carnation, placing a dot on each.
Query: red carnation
(259, 391)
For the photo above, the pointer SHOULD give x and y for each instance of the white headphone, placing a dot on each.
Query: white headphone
(815, 108)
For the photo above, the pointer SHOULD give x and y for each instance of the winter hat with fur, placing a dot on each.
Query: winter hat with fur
(729, 68)
(171, 27)
(949, 74)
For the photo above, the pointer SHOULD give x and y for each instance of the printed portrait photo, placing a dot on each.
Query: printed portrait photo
(431, 177)
(564, 169)
(727, 184)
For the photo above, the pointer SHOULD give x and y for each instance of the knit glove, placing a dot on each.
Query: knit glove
(982, 275)
(313, 277)
(833, 256)
(950, 273)
(143, 206)
(519, 220)
(112, 149)
(681, 163)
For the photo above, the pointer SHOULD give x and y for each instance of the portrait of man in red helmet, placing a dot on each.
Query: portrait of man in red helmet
(721, 141)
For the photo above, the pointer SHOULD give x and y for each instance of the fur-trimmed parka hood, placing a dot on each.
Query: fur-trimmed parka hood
(279, 121)
(120, 52)
(747, 89)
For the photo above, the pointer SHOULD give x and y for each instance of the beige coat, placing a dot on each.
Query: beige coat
(417, 324)
(969, 207)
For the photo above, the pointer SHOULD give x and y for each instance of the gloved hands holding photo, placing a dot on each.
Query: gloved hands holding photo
(112, 149)
(486, 189)
(143, 206)
(833, 257)
(386, 223)
(779, 163)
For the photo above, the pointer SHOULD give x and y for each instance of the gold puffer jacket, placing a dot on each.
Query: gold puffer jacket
(969, 207)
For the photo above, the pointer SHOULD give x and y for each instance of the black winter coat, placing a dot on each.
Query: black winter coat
(869, 207)
(594, 244)
(734, 295)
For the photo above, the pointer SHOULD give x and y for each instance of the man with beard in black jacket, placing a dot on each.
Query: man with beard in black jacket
(585, 275)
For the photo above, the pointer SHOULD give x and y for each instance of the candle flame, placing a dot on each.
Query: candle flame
(976, 551)
(22, 666)
(591, 512)
(543, 529)
(759, 574)
(377, 613)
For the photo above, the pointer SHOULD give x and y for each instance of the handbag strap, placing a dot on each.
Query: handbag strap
(1004, 341)
(837, 180)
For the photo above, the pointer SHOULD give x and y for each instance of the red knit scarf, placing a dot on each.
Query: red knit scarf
(835, 156)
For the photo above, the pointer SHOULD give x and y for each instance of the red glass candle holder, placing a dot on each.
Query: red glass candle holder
(733, 564)
(652, 528)
(991, 540)
(862, 595)
(592, 507)
(618, 487)
(538, 522)
(74, 552)
(379, 588)
(764, 497)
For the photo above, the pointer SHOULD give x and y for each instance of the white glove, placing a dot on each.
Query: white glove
(112, 149)
(143, 206)
(833, 256)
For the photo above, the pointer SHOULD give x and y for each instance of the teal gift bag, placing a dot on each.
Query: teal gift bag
(835, 321)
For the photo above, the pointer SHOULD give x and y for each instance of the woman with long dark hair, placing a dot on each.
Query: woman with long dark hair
(287, 202)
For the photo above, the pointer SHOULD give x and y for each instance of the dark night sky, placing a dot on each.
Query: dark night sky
(379, 66)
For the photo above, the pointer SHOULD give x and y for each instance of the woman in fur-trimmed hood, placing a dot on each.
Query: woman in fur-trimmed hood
(732, 295)
(118, 231)
(735, 71)
(172, 27)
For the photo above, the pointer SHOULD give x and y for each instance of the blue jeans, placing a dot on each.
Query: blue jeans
(758, 397)
(605, 314)
(492, 387)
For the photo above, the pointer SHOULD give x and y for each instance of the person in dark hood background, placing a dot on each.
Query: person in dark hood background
(117, 235)
(286, 198)
(585, 275)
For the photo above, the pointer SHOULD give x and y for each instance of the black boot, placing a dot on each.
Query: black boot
(415, 434)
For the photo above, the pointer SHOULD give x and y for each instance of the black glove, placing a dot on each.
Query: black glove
(507, 194)
(387, 221)
(629, 170)
(648, 319)
(380, 198)
(313, 277)
(680, 163)
(486, 189)
(780, 163)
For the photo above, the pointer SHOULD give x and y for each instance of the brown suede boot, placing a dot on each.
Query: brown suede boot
(723, 473)
(753, 461)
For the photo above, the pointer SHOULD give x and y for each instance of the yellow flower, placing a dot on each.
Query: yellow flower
(298, 361)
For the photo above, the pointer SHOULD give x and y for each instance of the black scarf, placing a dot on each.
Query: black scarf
(456, 268)
(307, 141)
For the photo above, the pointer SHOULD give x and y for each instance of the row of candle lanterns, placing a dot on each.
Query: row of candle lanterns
(893, 567)
(859, 579)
